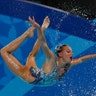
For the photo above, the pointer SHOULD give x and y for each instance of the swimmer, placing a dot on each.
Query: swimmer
(53, 68)
(14, 65)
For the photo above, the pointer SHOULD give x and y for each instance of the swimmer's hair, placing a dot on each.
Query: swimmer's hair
(59, 48)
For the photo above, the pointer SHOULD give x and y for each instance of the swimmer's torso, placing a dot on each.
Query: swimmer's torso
(49, 78)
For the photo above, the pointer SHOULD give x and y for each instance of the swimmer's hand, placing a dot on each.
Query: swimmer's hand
(34, 23)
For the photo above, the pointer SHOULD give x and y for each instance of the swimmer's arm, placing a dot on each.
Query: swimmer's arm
(82, 59)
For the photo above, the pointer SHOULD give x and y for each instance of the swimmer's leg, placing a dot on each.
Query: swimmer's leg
(17, 42)
(37, 44)
(32, 55)
(10, 60)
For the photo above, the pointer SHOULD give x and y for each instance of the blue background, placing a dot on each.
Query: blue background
(65, 28)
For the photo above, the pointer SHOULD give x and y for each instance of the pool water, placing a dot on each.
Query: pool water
(80, 79)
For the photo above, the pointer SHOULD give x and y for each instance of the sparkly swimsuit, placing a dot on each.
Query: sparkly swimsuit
(45, 79)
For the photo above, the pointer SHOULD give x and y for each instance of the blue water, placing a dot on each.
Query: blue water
(80, 79)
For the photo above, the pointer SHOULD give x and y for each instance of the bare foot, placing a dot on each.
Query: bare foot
(46, 23)
(34, 23)
(31, 31)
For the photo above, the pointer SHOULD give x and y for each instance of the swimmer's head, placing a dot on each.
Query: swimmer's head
(64, 51)
(59, 48)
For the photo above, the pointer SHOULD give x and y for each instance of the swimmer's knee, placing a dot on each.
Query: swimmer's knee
(3, 52)
(4, 49)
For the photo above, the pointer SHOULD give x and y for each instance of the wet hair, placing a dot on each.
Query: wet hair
(59, 48)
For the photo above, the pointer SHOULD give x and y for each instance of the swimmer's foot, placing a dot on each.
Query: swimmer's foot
(33, 22)
(31, 31)
(46, 23)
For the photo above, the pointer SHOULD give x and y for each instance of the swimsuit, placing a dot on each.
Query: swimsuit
(45, 79)
(42, 78)
(66, 68)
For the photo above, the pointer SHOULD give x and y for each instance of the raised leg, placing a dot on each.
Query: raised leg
(10, 60)
(50, 57)
(32, 55)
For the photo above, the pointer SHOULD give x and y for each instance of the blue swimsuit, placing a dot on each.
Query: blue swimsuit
(45, 79)
(42, 78)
